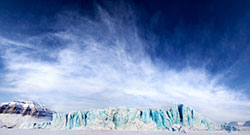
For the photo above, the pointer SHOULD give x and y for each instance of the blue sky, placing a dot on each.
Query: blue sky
(72, 55)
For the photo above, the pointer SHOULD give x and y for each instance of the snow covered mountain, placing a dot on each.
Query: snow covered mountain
(233, 123)
(14, 114)
(247, 124)
(26, 108)
(237, 124)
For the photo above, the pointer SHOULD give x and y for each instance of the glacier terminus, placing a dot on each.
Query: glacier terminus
(179, 117)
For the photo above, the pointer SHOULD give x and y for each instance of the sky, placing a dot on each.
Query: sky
(74, 55)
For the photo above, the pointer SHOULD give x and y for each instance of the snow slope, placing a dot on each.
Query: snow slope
(118, 132)
(16, 120)
(14, 114)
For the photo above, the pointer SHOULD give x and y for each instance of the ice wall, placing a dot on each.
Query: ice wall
(135, 118)
(173, 118)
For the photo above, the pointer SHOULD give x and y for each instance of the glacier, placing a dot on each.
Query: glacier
(174, 118)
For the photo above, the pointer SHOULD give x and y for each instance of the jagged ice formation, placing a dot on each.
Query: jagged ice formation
(173, 118)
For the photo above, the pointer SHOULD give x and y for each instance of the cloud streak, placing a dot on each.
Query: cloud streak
(101, 63)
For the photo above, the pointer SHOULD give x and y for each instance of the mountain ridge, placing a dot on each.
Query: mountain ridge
(29, 107)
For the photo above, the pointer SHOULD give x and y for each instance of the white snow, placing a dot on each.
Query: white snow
(245, 131)
(17, 119)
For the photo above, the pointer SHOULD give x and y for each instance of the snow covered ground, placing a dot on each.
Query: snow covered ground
(16, 119)
(244, 131)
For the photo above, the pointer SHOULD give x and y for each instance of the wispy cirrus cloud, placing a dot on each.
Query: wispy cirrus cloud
(101, 63)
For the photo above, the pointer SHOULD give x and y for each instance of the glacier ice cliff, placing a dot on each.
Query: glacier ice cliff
(174, 118)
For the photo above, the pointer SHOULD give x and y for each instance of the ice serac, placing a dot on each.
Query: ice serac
(174, 118)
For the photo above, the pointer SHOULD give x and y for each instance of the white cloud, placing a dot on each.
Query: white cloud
(103, 64)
